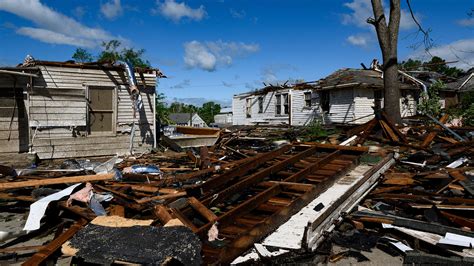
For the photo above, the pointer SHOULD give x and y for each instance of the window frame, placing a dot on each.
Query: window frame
(248, 107)
(308, 102)
(114, 110)
(260, 104)
(282, 104)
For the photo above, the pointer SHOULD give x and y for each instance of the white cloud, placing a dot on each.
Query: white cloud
(62, 29)
(237, 14)
(460, 50)
(52, 37)
(468, 22)
(198, 55)
(111, 9)
(361, 10)
(177, 11)
(361, 40)
(209, 55)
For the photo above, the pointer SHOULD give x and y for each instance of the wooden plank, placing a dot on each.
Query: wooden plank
(429, 138)
(257, 177)
(184, 220)
(161, 212)
(247, 165)
(203, 210)
(54, 245)
(53, 181)
(161, 197)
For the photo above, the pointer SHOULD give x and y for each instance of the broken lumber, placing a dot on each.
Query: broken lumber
(55, 181)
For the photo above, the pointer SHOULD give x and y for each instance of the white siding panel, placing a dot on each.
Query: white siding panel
(301, 114)
(341, 105)
(363, 105)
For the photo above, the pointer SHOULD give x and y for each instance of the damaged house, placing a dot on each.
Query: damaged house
(60, 110)
(346, 96)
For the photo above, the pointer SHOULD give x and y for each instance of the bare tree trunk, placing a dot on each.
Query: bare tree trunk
(388, 40)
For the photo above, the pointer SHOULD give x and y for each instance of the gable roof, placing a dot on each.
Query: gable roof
(465, 83)
(349, 77)
(180, 118)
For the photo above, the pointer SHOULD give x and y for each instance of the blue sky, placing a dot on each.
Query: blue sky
(211, 50)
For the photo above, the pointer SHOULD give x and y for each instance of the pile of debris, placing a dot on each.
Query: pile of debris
(422, 208)
(256, 194)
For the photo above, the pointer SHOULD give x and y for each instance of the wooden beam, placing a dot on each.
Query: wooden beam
(433, 133)
(243, 208)
(55, 244)
(203, 210)
(54, 181)
(257, 177)
(312, 167)
(161, 212)
(184, 219)
(252, 163)
(161, 197)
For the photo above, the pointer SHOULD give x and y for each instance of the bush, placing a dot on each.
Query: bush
(315, 130)
(430, 104)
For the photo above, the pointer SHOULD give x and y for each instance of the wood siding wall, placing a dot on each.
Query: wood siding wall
(301, 114)
(13, 115)
(341, 106)
(58, 108)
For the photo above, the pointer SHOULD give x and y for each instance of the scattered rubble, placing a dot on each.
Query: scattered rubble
(257, 194)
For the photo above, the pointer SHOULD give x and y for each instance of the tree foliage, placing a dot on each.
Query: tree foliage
(112, 51)
(208, 110)
(431, 105)
(162, 111)
(436, 64)
(82, 56)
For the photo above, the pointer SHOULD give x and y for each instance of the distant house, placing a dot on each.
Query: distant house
(346, 96)
(64, 109)
(224, 118)
(187, 119)
(451, 95)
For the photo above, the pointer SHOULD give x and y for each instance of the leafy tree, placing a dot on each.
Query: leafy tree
(410, 64)
(431, 105)
(134, 57)
(438, 64)
(208, 110)
(162, 111)
(82, 56)
(111, 53)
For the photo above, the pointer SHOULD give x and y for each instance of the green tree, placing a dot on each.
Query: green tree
(111, 53)
(208, 110)
(431, 105)
(82, 56)
(162, 111)
(411, 64)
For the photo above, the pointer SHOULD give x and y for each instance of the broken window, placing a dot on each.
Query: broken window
(248, 107)
(282, 99)
(260, 104)
(101, 114)
(307, 99)
(324, 98)
(8, 103)
(278, 104)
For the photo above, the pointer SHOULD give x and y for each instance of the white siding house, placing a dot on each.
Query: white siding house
(63, 109)
(224, 118)
(347, 96)
(187, 119)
